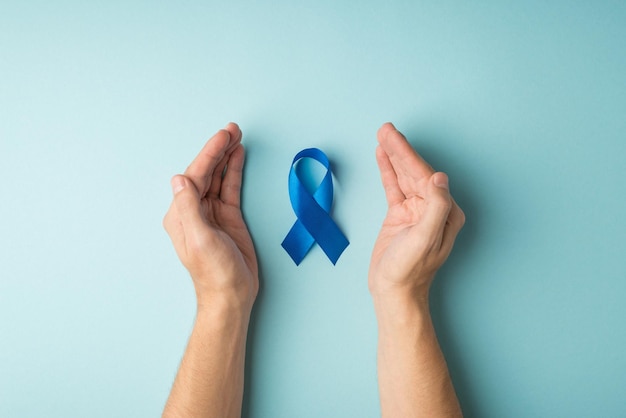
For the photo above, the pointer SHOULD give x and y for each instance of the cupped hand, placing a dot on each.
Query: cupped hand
(422, 220)
(206, 226)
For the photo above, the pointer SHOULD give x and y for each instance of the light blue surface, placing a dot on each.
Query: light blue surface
(523, 104)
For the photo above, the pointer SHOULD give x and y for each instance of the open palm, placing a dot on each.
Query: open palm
(422, 218)
(205, 221)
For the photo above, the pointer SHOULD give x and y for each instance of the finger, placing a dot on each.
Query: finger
(409, 166)
(389, 179)
(438, 206)
(201, 169)
(216, 179)
(231, 185)
(188, 207)
(172, 225)
(234, 130)
(218, 173)
(456, 220)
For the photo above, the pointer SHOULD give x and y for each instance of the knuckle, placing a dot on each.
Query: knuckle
(167, 220)
(459, 216)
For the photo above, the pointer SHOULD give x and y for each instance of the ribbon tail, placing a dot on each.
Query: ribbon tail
(332, 241)
(298, 242)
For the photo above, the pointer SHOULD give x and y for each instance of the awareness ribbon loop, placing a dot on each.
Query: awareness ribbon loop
(314, 223)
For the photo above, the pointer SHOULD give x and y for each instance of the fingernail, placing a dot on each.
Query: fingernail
(178, 184)
(441, 180)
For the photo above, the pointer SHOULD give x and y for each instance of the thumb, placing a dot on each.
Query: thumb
(438, 205)
(187, 202)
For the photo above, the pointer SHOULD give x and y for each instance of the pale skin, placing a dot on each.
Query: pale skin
(417, 236)
(211, 239)
(213, 243)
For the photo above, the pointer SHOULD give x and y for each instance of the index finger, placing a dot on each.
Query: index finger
(389, 178)
(200, 171)
(409, 166)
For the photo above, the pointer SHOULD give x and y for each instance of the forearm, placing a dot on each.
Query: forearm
(412, 373)
(210, 379)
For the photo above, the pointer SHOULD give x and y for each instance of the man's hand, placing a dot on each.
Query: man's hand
(213, 243)
(416, 237)
(206, 226)
(421, 224)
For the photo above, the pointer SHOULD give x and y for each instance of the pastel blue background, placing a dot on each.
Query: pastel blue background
(523, 104)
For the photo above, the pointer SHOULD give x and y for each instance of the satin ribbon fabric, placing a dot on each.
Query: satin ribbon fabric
(314, 223)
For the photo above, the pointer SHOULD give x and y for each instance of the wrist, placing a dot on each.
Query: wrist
(224, 308)
(406, 289)
(226, 296)
(398, 308)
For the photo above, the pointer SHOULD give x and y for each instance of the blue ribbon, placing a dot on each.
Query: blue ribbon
(314, 223)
